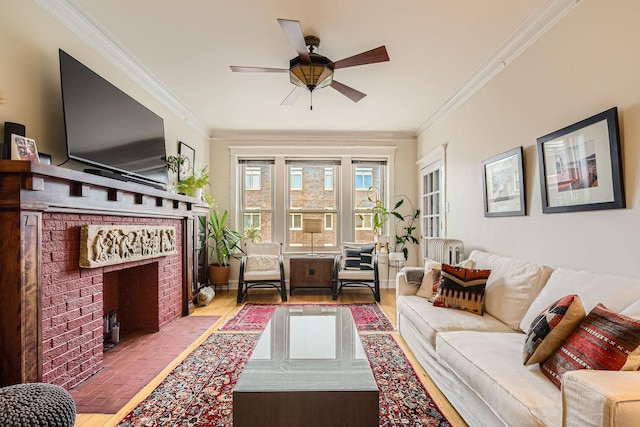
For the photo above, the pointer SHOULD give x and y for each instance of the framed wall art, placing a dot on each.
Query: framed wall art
(581, 166)
(189, 156)
(503, 184)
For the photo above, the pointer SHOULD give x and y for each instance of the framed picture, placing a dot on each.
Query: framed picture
(189, 156)
(24, 148)
(503, 184)
(581, 166)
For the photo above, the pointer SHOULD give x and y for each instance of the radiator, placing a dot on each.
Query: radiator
(448, 251)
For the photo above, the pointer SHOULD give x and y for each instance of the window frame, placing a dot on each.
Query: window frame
(344, 223)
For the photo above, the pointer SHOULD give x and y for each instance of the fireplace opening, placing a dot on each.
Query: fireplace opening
(130, 298)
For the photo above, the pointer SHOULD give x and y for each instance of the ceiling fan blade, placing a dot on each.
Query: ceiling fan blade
(347, 91)
(293, 31)
(372, 56)
(240, 69)
(293, 96)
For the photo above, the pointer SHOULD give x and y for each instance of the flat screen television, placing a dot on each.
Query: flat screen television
(108, 129)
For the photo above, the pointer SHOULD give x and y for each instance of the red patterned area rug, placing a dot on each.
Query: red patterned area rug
(254, 317)
(199, 391)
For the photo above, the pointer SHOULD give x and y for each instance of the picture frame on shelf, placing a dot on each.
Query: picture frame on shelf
(189, 156)
(503, 184)
(23, 148)
(581, 166)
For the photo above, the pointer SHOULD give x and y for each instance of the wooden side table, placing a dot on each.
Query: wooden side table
(310, 272)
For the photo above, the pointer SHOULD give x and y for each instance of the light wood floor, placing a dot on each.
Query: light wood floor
(224, 305)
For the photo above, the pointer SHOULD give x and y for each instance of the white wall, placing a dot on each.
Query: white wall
(30, 79)
(586, 64)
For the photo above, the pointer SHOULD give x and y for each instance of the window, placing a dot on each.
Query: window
(328, 221)
(256, 196)
(252, 178)
(371, 176)
(295, 179)
(314, 201)
(364, 221)
(252, 220)
(363, 178)
(296, 222)
(329, 183)
(328, 179)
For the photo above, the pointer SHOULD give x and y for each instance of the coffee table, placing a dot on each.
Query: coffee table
(308, 369)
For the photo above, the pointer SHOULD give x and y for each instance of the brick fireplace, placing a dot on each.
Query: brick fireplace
(73, 297)
(56, 335)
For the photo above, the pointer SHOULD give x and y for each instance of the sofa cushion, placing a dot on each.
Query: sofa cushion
(462, 289)
(490, 364)
(615, 292)
(604, 341)
(430, 320)
(430, 279)
(512, 286)
(549, 330)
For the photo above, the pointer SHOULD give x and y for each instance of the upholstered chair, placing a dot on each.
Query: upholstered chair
(356, 266)
(262, 266)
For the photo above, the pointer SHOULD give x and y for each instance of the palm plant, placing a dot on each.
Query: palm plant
(224, 241)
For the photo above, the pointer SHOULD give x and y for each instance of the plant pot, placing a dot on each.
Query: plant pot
(219, 275)
(396, 257)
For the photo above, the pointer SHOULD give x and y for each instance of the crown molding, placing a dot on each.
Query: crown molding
(312, 136)
(81, 23)
(537, 24)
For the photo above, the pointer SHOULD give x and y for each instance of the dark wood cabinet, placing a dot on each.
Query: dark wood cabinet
(310, 272)
(200, 257)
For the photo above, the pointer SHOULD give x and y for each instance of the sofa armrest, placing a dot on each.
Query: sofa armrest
(601, 398)
(403, 287)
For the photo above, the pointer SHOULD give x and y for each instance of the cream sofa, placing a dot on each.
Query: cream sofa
(477, 360)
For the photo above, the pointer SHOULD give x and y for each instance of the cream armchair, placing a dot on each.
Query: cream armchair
(262, 266)
(356, 266)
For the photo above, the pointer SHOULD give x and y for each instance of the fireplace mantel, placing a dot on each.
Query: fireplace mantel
(31, 191)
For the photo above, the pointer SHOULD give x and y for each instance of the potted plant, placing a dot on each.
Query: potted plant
(224, 243)
(194, 186)
(174, 163)
(405, 227)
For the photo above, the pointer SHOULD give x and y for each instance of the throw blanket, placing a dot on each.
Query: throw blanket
(414, 275)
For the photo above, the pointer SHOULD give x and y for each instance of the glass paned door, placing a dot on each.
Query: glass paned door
(432, 200)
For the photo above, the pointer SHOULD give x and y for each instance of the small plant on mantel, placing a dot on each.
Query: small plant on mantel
(174, 163)
(194, 186)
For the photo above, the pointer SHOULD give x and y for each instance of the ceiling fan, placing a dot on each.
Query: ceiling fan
(310, 70)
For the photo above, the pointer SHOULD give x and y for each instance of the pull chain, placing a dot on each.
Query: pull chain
(311, 101)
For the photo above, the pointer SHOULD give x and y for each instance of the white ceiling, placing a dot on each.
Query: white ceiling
(440, 52)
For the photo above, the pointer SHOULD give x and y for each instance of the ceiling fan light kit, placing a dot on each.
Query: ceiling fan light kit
(310, 70)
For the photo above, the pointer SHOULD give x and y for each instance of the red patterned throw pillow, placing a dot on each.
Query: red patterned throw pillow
(462, 289)
(604, 341)
(551, 327)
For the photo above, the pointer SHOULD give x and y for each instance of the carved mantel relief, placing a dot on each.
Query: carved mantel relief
(102, 245)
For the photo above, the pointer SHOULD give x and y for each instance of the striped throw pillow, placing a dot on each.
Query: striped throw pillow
(358, 257)
(604, 341)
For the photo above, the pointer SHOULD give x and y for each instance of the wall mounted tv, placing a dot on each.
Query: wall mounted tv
(108, 129)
